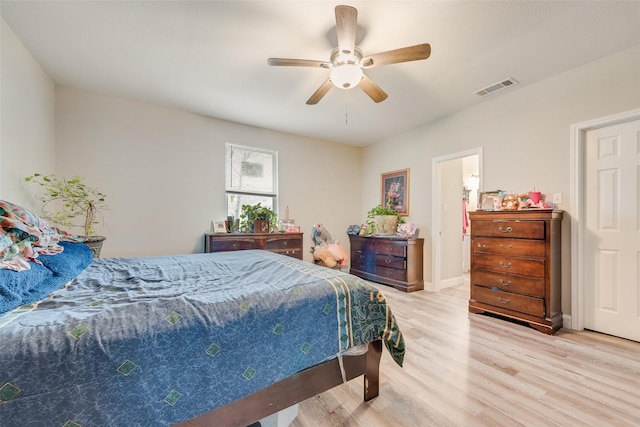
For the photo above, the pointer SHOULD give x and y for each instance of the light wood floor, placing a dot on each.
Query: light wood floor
(466, 369)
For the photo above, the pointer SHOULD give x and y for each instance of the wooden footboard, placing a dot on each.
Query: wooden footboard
(295, 389)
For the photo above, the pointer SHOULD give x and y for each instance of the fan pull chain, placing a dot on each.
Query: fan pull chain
(346, 108)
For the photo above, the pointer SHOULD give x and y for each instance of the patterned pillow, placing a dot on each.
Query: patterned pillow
(24, 236)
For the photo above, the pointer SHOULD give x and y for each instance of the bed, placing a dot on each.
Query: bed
(202, 339)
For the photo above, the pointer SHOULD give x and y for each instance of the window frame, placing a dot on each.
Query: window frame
(230, 147)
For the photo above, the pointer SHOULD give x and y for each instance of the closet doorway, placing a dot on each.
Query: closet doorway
(456, 180)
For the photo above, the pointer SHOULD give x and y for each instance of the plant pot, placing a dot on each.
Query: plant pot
(385, 225)
(260, 226)
(95, 243)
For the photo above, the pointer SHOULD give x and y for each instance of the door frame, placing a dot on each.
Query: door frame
(578, 141)
(436, 179)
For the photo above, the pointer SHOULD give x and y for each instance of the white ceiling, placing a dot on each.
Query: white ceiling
(210, 57)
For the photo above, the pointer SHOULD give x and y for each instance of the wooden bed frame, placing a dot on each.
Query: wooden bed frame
(295, 389)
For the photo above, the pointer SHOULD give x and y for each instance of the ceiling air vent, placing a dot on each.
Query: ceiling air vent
(497, 86)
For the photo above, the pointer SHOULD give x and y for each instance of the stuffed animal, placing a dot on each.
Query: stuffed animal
(324, 255)
(320, 235)
(332, 255)
(339, 253)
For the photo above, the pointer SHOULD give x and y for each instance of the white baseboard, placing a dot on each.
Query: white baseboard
(449, 283)
(566, 321)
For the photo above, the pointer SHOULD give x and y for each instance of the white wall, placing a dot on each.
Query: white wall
(27, 120)
(163, 172)
(451, 222)
(525, 134)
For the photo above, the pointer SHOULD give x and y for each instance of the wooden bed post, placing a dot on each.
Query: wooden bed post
(372, 371)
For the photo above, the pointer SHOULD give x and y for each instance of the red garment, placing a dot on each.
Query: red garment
(465, 217)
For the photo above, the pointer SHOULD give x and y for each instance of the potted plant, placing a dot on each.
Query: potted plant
(257, 218)
(69, 202)
(383, 221)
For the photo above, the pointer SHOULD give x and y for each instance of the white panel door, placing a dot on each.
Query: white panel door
(612, 234)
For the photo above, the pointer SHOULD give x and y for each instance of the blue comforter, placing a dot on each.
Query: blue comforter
(155, 341)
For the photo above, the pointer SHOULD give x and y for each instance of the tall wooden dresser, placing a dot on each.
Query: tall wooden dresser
(289, 244)
(515, 266)
(389, 260)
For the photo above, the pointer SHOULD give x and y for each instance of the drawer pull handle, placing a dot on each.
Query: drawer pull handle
(505, 230)
(504, 301)
(507, 265)
(502, 282)
(387, 261)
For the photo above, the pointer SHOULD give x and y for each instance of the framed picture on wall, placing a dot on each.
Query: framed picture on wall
(394, 190)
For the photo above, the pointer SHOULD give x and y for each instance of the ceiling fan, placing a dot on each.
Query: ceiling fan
(347, 60)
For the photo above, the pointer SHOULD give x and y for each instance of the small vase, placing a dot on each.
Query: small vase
(385, 225)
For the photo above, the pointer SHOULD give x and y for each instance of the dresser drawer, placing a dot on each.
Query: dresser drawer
(292, 252)
(391, 273)
(510, 301)
(363, 266)
(511, 247)
(362, 245)
(533, 286)
(396, 249)
(282, 243)
(391, 261)
(509, 265)
(363, 258)
(513, 229)
(232, 245)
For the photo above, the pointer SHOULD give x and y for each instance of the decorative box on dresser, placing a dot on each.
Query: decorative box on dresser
(515, 266)
(289, 244)
(388, 260)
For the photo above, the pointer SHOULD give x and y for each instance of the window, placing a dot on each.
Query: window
(251, 178)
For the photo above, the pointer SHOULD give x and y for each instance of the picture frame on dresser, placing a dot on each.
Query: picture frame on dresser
(394, 190)
(219, 227)
(488, 200)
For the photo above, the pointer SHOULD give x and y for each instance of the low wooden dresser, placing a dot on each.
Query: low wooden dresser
(289, 244)
(389, 260)
(515, 266)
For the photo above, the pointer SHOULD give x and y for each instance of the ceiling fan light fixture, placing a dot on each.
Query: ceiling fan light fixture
(346, 71)
(347, 62)
(346, 76)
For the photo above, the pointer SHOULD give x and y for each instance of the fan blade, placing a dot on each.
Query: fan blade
(297, 62)
(374, 91)
(318, 94)
(346, 27)
(404, 54)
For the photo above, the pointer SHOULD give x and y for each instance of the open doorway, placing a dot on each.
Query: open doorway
(456, 180)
